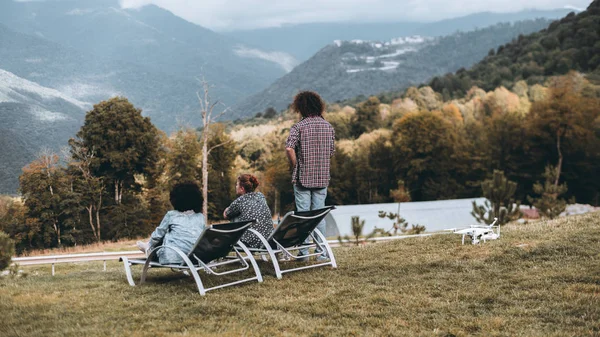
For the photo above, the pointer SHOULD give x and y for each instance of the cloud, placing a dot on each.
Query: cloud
(247, 14)
(579, 9)
(284, 60)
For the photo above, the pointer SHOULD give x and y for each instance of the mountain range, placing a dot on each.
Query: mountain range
(346, 69)
(302, 41)
(58, 58)
(149, 55)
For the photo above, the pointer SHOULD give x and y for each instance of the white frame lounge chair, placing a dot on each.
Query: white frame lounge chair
(206, 255)
(290, 235)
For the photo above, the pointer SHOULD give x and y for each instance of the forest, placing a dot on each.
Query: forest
(540, 129)
(568, 44)
(113, 181)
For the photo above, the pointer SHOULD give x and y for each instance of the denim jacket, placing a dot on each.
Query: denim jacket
(177, 229)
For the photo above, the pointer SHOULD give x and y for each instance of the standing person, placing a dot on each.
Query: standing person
(309, 148)
(180, 227)
(250, 205)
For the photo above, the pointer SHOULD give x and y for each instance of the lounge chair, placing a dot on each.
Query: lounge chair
(210, 251)
(289, 236)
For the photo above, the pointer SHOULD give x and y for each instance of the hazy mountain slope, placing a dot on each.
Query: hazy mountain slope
(150, 45)
(572, 43)
(349, 69)
(304, 40)
(32, 117)
(162, 96)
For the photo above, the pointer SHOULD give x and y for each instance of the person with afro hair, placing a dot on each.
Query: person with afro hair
(180, 227)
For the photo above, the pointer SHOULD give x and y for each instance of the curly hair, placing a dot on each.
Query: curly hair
(308, 104)
(248, 182)
(186, 196)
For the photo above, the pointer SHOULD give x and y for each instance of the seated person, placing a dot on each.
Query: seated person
(250, 205)
(180, 227)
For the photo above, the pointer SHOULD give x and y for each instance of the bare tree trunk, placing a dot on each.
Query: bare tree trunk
(98, 216)
(56, 230)
(90, 210)
(276, 206)
(560, 160)
(118, 191)
(205, 171)
(98, 223)
(206, 110)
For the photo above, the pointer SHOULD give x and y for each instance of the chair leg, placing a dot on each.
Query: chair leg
(187, 261)
(252, 260)
(128, 271)
(271, 253)
(324, 242)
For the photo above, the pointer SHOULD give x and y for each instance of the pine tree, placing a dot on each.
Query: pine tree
(548, 204)
(357, 228)
(500, 204)
(400, 224)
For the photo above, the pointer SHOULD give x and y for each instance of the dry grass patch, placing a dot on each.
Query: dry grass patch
(431, 286)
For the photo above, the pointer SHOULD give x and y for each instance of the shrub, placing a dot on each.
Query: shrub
(7, 250)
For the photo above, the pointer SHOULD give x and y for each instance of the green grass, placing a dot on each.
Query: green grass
(539, 279)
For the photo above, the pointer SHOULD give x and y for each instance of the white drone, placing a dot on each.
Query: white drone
(477, 233)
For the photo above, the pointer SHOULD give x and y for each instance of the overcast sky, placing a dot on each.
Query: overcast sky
(246, 14)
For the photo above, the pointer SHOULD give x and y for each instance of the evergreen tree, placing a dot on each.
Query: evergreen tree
(357, 228)
(500, 204)
(124, 142)
(548, 204)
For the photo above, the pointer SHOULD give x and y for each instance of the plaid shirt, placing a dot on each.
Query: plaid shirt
(313, 140)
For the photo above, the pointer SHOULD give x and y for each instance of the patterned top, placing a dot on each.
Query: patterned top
(313, 140)
(178, 229)
(252, 206)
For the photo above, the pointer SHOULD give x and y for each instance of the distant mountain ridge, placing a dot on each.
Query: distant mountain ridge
(348, 69)
(304, 40)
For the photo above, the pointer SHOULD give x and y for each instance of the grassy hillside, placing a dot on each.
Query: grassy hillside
(539, 279)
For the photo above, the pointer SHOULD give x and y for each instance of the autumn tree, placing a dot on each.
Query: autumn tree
(277, 184)
(222, 181)
(41, 186)
(183, 159)
(426, 156)
(90, 187)
(565, 120)
(24, 231)
(367, 117)
(342, 187)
